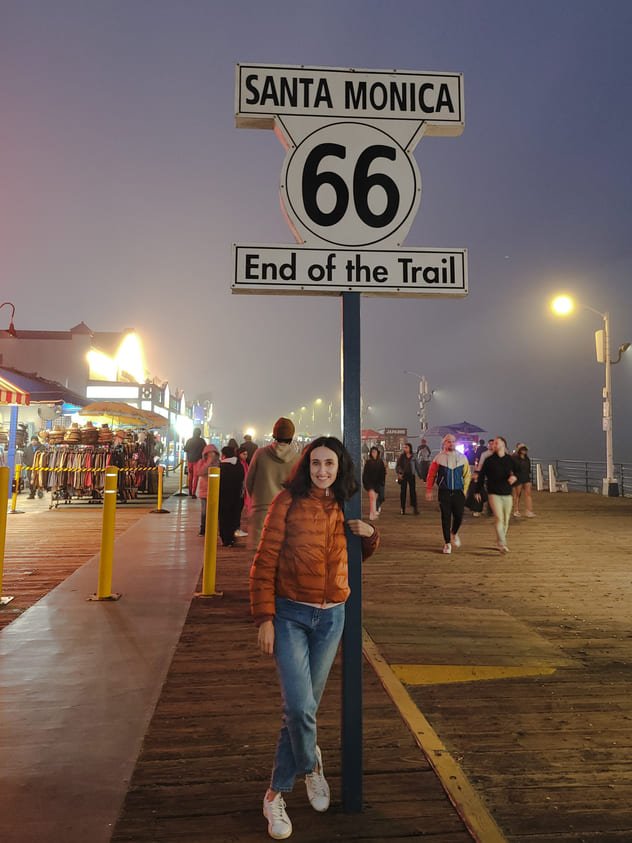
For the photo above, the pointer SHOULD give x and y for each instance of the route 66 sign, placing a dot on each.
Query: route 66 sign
(350, 184)
(349, 179)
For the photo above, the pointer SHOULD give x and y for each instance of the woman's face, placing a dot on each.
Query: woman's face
(323, 467)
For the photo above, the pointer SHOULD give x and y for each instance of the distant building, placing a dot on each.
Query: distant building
(102, 365)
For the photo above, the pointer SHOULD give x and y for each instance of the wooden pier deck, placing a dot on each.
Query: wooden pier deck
(513, 672)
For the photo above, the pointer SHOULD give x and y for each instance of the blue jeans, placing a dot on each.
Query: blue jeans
(305, 644)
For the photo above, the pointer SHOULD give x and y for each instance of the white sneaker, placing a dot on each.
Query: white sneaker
(476, 515)
(530, 514)
(240, 533)
(447, 548)
(503, 548)
(279, 825)
(317, 787)
(456, 541)
(517, 514)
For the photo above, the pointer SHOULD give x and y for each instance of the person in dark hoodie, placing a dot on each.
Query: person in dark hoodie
(269, 468)
(498, 472)
(231, 489)
(373, 481)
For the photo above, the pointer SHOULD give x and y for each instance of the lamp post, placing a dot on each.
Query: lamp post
(563, 306)
(11, 329)
(425, 397)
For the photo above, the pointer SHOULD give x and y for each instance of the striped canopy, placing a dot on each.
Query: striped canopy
(11, 394)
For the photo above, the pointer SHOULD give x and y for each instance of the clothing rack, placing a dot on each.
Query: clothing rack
(73, 472)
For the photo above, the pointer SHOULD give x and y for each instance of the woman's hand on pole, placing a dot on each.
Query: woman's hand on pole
(360, 528)
(265, 638)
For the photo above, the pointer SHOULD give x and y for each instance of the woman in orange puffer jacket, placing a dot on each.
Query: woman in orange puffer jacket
(298, 588)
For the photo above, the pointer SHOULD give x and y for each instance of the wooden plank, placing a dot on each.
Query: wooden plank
(44, 547)
(551, 754)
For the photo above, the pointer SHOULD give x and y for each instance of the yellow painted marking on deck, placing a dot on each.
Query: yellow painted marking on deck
(457, 786)
(442, 674)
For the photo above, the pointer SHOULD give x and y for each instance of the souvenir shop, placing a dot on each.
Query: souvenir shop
(71, 457)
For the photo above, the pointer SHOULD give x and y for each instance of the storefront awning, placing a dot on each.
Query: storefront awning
(11, 394)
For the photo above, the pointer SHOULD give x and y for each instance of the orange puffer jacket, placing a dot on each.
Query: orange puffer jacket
(302, 554)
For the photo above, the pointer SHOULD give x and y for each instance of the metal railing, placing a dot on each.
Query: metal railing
(586, 476)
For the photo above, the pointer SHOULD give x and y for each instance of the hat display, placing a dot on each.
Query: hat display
(56, 435)
(73, 435)
(89, 434)
(283, 429)
(105, 435)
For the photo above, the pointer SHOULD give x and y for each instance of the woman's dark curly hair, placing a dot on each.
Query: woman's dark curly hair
(344, 486)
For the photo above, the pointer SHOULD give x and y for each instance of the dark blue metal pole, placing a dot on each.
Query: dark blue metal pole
(352, 636)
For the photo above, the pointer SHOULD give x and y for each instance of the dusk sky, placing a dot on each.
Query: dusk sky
(125, 184)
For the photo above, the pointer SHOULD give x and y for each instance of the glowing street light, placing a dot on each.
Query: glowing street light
(563, 305)
(316, 403)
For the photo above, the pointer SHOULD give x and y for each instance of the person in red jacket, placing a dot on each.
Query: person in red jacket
(210, 457)
(298, 589)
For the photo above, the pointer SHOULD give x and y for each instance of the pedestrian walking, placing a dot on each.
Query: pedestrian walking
(406, 469)
(269, 469)
(480, 450)
(298, 590)
(246, 503)
(497, 472)
(193, 448)
(210, 458)
(522, 486)
(374, 480)
(249, 446)
(231, 486)
(424, 458)
(451, 472)
(28, 458)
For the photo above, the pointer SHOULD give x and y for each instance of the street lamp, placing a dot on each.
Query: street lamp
(11, 329)
(316, 403)
(425, 397)
(563, 306)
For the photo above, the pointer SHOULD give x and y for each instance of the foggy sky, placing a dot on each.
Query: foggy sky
(125, 183)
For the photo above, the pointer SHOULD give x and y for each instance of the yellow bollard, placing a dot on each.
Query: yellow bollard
(210, 537)
(5, 476)
(180, 493)
(104, 587)
(14, 498)
(159, 509)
